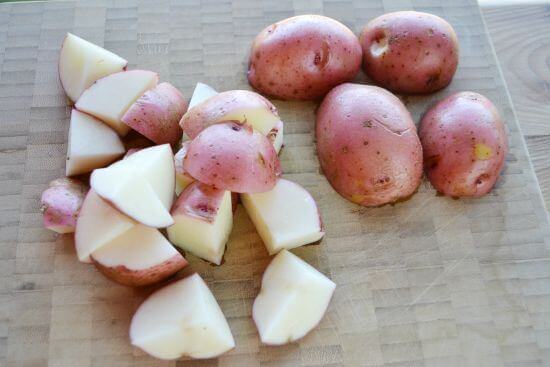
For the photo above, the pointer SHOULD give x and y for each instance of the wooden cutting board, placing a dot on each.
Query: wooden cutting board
(428, 282)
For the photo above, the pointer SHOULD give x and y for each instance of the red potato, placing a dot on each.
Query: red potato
(140, 256)
(132, 278)
(203, 219)
(61, 203)
(367, 145)
(276, 136)
(303, 57)
(233, 157)
(410, 52)
(464, 143)
(156, 114)
(183, 179)
(235, 105)
(81, 63)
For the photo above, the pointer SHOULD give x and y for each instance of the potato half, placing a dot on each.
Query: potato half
(367, 145)
(303, 57)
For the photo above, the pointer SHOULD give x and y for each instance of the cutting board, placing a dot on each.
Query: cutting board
(428, 282)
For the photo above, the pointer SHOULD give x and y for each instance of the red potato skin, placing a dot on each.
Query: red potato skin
(303, 57)
(61, 203)
(157, 113)
(200, 201)
(465, 143)
(273, 133)
(140, 278)
(420, 55)
(367, 145)
(214, 108)
(232, 156)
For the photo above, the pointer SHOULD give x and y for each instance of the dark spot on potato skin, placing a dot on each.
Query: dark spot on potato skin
(433, 79)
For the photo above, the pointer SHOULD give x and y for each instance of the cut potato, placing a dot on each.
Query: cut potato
(201, 93)
(203, 219)
(110, 97)
(141, 186)
(91, 145)
(235, 105)
(183, 179)
(285, 217)
(276, 136)
(138, 257)
(292, 301)
(156, 114)
(181, 319)
(98, 223)
(61, 203)
(81, 63)
(233, 157)
(156, 164)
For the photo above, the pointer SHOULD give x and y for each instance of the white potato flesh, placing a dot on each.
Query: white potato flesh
(139, 248)
(98, 224)
(181, 319)
(141, 185)
(203, 236)
(110, 97)
(131, 194)
(91, 144)
(292, 301)
(156, 164)
(201, 93)
(285, 217)
(81, 63)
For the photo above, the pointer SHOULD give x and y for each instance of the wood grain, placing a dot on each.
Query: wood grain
(428, 282)
(521, 37)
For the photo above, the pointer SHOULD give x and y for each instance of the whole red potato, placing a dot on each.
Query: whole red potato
(367, 145)
(410, 52)
(303, 57)
(464, 143)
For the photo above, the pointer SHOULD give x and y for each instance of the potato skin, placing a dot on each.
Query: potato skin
(410, 52)
(139, 278)
(60, 204)
(367, 145)
(216, 108)
(234, 157)
(465, 143)
(303, 57)
(156, 114)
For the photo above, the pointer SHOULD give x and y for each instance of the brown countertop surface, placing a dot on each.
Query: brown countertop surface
(428, 282)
